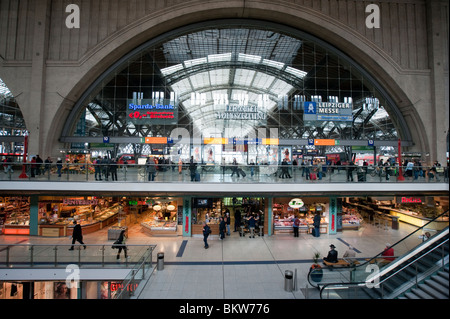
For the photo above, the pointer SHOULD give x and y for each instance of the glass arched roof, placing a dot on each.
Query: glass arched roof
(207, 71)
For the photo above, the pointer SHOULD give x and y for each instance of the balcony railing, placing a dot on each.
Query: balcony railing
(176, 173)
(59, 256)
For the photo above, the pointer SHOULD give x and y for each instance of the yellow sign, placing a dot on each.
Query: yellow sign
(270, 141)
(215, 140)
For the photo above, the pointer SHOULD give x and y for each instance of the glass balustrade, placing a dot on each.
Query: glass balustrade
(216, 173)
(59, 256)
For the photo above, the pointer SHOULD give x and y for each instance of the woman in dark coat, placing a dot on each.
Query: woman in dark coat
(120, 244)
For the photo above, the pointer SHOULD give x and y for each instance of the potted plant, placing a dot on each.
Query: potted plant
(315, 269)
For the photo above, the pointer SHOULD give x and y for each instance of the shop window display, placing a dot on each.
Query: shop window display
(57, 214)
(161, 217)
(15, 215)
(284, 216)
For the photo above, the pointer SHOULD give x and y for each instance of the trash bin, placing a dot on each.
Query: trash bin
(288, 281)
(160, 262)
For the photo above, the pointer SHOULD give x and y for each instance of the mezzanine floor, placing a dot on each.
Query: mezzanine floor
(237, 267)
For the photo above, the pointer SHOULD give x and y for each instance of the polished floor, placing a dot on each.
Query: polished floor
(239, 267)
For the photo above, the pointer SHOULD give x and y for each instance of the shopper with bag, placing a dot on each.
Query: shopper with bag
(120, 244)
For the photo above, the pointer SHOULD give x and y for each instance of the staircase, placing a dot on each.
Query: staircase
(436, 287)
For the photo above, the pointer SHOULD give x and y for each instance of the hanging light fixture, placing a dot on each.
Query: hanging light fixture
(157, 207)
(170, 207)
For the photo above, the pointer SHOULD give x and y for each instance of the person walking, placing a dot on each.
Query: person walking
(193, 168)
(316, 224)
(206, 232)
(237, 220)
(228, 221)
(222, 226)
(77, 235)
(295, 226)
(251, 226)
(120, 244)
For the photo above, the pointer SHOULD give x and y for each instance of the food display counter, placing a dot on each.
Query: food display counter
(15, 217)
(158, 224)
(90, 221)
(414, 218)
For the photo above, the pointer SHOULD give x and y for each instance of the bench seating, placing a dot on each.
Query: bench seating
(340, 262)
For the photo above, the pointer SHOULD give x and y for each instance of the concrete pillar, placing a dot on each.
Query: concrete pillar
(34, 215)
(187, 217)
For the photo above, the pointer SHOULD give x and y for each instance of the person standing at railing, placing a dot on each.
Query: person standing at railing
(97, 169)
(39, 163)
(193, 168)
(151, 169)
(77, 235)
(47, 165)
(105, 167)
(234, 168)
(7, 166)
(33, 166)
(59, 166)
(387, 168)
(113, 169)
(350, 169)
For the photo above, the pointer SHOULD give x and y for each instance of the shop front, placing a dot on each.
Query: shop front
(61, 290)
(237, 209)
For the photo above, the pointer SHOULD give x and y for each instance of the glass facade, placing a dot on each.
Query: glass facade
(229, 86)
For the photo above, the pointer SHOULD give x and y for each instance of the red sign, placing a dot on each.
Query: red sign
(410, 200)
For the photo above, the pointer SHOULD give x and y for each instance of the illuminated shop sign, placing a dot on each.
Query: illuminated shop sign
(79, 202)
(296, 203)
(327, 111)
(410, 199)
(150, 111)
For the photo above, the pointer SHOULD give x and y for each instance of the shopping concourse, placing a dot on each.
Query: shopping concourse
(224, 150)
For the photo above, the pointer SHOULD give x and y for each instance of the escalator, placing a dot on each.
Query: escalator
(419, 272)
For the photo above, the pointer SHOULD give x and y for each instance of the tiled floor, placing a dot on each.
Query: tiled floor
(238, 267)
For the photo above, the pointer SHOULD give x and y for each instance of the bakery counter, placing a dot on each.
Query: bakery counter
(415, 219)
(12, 229)
(52, 230)
(89, 228)
(160, 228)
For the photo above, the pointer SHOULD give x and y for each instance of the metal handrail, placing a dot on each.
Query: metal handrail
(125, 293)
(364, 264)
(380, 283)
(7, 262)
(87, 171)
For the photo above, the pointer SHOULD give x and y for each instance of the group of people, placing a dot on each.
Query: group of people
(119, 244)
(251, 220)
(350, 255)
(105, 167)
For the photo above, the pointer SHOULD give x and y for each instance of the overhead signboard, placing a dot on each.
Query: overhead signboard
(152, 112)
(327, 111)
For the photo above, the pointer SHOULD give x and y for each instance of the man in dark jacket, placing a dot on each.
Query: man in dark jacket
(77, 235)
(332, 255)
(222, 227)
(206, 232)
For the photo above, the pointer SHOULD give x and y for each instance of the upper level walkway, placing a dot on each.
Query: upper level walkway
(177, 180)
